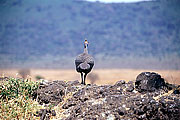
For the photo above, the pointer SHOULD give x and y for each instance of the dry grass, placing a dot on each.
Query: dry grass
(105, 76)
(61, 113)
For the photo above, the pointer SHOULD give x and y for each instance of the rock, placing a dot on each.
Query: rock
(170, 86)
(76, 82)
(53, 112)
(121, 111)
(142, 116)
(52, 93)
(68, 104)
(119, 83)
(176, 91)
(130, 86)
(149, 81)
(45, 114)
(4, 78)
(117, 101)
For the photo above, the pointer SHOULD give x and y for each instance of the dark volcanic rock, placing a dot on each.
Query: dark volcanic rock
(51, 92)
(119, 83)
(149, 81)
(4, 78)
(176, 92)
(119, 101)
(89, 103)
(130, 86)
(45, 114)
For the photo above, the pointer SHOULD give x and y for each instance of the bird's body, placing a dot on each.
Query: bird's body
(84, 63)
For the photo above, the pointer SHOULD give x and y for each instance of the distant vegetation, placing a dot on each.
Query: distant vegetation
(24, 73)
(93, 77)
(50, 34)
(39, 77)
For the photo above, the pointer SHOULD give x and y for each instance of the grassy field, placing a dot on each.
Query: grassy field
(98, 76)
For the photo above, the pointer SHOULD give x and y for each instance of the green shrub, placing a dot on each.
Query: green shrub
(15, 99)
(16, 87)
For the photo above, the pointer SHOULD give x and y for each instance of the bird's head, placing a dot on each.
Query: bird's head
(85, 43)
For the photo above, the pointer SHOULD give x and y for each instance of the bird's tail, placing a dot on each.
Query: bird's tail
(84, 66)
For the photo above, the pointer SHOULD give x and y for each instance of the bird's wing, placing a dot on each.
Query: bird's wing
(79, 59)
(90, 59)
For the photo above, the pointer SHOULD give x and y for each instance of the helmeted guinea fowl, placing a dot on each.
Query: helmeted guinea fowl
(84, 63)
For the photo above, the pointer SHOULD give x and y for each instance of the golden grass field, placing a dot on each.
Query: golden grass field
(101, 76)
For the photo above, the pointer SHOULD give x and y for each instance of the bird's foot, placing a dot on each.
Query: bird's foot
(83, 83)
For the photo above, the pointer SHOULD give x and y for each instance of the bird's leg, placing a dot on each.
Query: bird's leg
(85, 78)
(81, 78)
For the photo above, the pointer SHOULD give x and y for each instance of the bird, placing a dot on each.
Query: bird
(84, 63)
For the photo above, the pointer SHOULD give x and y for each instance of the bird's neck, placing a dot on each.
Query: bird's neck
(85, 49)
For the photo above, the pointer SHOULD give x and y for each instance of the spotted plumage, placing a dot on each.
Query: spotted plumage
(84, 63)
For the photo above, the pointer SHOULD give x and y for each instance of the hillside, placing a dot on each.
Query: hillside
(35, 33)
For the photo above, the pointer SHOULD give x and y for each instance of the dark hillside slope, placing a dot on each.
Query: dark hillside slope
(49, 31)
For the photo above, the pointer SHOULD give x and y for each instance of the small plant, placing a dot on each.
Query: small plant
(15, 99)
(24, 73)
(38, 77)
(93, 77)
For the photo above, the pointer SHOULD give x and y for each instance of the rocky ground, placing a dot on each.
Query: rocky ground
(147, 98)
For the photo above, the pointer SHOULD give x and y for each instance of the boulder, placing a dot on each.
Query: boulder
(149, 81)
